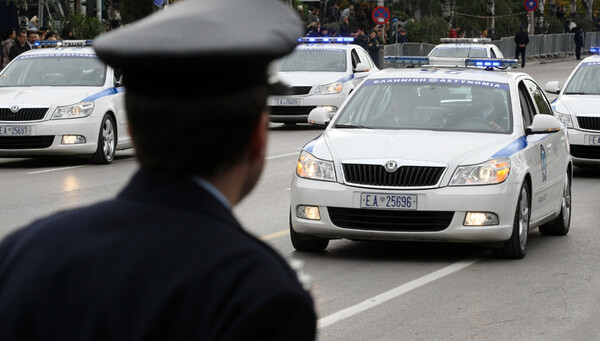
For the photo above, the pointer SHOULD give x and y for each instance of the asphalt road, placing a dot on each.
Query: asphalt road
(379, 291)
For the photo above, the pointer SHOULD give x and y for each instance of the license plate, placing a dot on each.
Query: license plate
(592, 139)
(286, 101)
(388, 201)
(15, 130)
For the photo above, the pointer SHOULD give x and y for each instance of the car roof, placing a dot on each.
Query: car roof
(463, 46)
(592, 58)
(332, 46)
(61, 51)
(457, 73)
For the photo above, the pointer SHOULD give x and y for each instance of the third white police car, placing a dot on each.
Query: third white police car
(321, 72)
(62, 101)
(578, 107)
(436, 154)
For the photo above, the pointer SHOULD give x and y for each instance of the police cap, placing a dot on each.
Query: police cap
(218, 46)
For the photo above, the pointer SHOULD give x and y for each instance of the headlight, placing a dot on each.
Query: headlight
(565, 119)
(310, 167)
(81, 109)
(333, 88)
(487, 173)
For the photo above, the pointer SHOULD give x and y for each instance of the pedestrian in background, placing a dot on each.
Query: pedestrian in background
(578, 38)
(454, 31)
(8, 40)
(373, 47)
(20, 45)
(166, 259)
(401, 38)
(521, 41)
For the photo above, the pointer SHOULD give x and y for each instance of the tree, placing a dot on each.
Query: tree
(491, 12)
(132, 10)
(589, 7)
(448, 9)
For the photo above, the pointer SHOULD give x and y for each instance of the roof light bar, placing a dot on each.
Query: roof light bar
(466, 40)
(411, 60)
(491, 63)
(63, 43)
(595, 49)
(315, 40)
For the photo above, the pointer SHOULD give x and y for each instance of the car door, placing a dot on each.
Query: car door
(549, 149)
(362, 56)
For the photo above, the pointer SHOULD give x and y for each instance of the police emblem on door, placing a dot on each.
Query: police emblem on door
(543, 162)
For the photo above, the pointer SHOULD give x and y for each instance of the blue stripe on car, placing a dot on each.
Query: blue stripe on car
(519, 144)
(346, 78)
(106, 92)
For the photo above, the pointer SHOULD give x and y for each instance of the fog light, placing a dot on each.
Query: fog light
(73, 139)
(308, 212)
(480, 219)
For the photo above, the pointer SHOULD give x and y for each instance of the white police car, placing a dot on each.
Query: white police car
(321, 73)
(435, 154)
(578, 107)
(454, 51)
(62, 101)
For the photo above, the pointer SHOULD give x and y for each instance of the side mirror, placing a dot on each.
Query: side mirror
(552, 87)
(319, 116)
(362, 67)
(543, 124)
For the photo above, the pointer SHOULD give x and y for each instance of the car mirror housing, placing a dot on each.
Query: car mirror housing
(319, 116)
(553, 87)
(362, 67)
(543, 124)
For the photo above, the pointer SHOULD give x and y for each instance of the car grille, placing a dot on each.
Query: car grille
(25, 114)
(585, 152)
(405, 176)
(301, 90)
(26, 142)
(589, 123)
(290, 110)
(385, 220)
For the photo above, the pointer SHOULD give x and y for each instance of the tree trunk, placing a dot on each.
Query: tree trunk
(491, 12)
(112, 13)
(588, 5)
(573, 9)
(446, 11)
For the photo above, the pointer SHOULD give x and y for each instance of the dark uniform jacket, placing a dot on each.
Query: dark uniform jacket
(521, 38)
(162, 261)
(17, 49)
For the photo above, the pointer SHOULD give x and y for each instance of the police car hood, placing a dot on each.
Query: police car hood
(414, 146)
(311, 78)
(580, 105)
(44, 96)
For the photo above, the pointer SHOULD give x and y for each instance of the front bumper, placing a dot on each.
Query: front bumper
(582, 151)
(500, 199)
(280, 112)
(46, 138)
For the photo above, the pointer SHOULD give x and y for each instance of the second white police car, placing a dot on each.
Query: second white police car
(436, 154)
(62, 101)
(321, 72)
(578, 107)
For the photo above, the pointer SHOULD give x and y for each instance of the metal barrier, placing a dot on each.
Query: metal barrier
(542, 47)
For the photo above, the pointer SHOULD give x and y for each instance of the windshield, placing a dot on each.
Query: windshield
(424, 103)
(314, 60)
(459, 52)
(585, 81)
(78, 69)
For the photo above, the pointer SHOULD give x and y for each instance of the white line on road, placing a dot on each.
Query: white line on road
(391, 294)
(52, 170)
(280, 156)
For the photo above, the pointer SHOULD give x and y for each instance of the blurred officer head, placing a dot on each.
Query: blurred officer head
(197, 107)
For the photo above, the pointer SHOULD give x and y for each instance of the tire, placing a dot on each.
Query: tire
(306, 243)
(516, 246)
(560, 226)
(107, 142)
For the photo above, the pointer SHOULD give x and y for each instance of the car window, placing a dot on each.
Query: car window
(77, 69)
(459, 51)
(585, 80)
(429, 106)
(355, 59)
(539, 99)
(364, 57)
(333, 60)
(527, 110)
(492, 53)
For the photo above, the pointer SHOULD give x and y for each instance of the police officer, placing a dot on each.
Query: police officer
(166, 259)
(521, 41)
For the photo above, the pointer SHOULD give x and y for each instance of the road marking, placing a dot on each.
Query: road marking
(52, 170)
(391, 294)
(280, 156)
(275, 235)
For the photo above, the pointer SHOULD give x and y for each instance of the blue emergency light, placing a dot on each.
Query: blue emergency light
(317, 40)
(490, 63)
(411, 60)
(595, 49)
(63, 43)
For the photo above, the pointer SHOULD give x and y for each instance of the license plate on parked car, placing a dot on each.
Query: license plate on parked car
(15, 130)
(388, 201)
(592, 139)
(285, 101)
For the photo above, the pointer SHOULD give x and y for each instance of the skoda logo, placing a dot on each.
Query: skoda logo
(14, 108)
(391, 166)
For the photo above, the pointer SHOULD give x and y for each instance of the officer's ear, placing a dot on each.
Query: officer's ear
(258, 139)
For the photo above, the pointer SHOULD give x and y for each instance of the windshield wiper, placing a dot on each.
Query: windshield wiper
(575, 93)
(350, 126)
